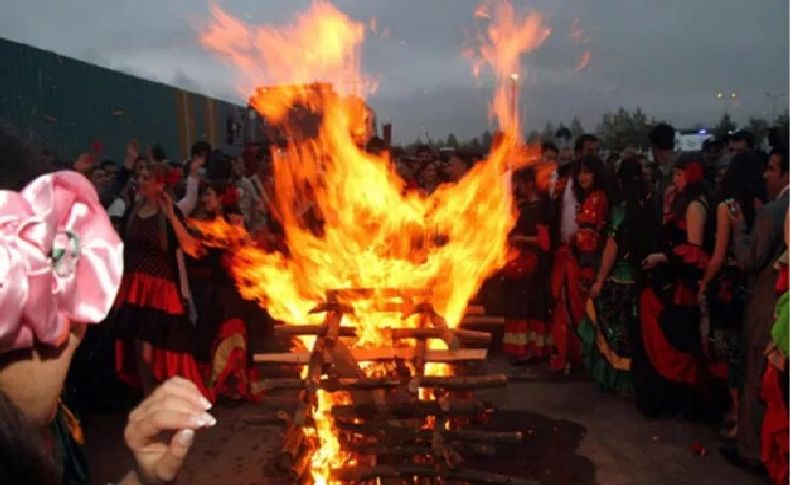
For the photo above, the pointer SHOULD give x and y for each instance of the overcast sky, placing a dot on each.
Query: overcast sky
(668, 56)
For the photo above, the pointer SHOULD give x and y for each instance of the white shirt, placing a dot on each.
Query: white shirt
(568, 225)
(117, 208)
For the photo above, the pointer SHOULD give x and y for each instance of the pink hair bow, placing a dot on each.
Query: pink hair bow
(60, 260)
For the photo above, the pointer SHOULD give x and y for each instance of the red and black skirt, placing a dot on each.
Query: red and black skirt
(150, 309)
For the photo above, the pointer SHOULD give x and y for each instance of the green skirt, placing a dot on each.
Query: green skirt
(605, 332)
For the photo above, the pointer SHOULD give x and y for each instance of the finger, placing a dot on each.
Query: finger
(169, 464)
(140, 432)
(170, 402)
(178, 387)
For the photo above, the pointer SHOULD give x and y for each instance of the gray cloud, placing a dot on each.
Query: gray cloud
(670, 57)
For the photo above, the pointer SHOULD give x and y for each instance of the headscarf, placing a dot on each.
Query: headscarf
(60, 260)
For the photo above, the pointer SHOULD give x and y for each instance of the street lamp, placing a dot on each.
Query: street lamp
(732, 96)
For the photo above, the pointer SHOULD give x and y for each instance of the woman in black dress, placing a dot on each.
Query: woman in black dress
(526, 278)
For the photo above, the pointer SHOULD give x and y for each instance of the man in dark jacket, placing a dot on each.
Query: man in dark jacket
(757, 252)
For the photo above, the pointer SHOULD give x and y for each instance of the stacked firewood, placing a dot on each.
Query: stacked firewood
(404, 427)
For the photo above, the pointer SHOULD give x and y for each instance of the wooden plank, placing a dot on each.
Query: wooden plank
(439, 323)
(380, 430)
(467, 336)
(376, 354)
(475, 310)
(417, 409)
(294, 330)
(482, 320)
(411, 449)
(332, 385)
(409, 353)
(451, 383)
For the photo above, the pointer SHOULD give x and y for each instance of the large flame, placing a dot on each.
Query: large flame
(372, 234)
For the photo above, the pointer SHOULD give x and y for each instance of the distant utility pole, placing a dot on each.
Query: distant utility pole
(726, 98)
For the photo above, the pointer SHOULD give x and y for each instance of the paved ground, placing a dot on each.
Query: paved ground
(575, 434)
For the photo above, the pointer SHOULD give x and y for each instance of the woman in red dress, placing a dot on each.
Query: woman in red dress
(672, 370)
(222, 315)
(580, 262)
(156, 336)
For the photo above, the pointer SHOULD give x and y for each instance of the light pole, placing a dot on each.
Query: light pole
(514, 98)
(774, 97)
(725, 98)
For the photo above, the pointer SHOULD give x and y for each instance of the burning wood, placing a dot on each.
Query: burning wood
(380, 354)
(294, 330)
(408, 471)
(385, 416)
(415, 449)
(477, 436)
(349, 384)
(419, 409)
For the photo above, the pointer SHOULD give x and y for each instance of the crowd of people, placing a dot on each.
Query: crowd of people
(658, 273)
(661, 279)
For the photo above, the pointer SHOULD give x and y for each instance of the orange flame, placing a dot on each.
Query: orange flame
(506, 39)
(584, 61)
(578, 35)
(348, 221)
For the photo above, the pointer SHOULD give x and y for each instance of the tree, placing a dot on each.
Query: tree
(475, 143)
(548, 131)
(624, 129)
(725, 127)
(759, 128)
(452, 141)
(782, 124)
(533, 137)
(576, 128)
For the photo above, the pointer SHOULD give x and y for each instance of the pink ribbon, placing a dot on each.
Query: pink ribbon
(60, 260)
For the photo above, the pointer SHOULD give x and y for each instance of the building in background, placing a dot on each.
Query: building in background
(69, 107)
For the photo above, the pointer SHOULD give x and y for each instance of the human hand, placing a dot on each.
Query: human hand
(166, 205)
(195, 165)
(735, 214)
(84, 162)
(653, 260)
(595, 290)
(131, 154)
(774, 356)
(176, 407)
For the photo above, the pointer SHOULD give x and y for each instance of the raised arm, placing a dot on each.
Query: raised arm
(189, 202)
(186, 242)
(695, 223)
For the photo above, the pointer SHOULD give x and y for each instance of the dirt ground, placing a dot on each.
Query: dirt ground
(574, 434)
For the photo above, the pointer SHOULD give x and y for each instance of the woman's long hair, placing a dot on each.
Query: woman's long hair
(160, 172)
(639, 220)
(695, 189)
(24, 458)
(743, 182)
(595, 165)
(226, 192)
